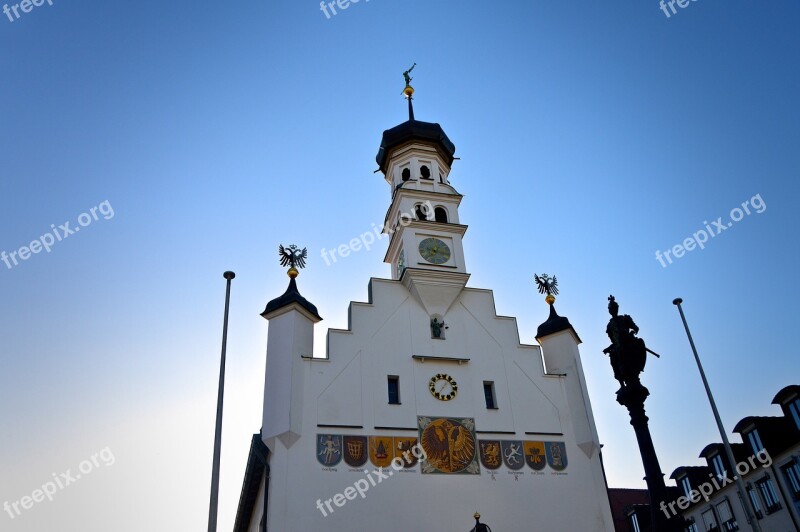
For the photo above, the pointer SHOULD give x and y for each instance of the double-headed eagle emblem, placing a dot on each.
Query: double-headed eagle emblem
(546, 284)
(293, 256)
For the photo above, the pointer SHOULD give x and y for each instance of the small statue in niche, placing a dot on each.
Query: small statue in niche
(437, 328)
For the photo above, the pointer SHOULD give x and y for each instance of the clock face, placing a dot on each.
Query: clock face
(443, 387)
(434, 251)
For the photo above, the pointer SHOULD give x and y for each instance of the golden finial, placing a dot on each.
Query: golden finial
(477, 515)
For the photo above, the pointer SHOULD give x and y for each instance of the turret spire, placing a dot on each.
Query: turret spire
(408, 91)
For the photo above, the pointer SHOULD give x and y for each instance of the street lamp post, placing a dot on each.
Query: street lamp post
(214, 503)
(746, 503)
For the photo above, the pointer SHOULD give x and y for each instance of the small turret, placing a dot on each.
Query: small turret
(291, 338)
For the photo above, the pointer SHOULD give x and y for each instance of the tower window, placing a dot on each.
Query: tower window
(394, 389)
(406, 175)
(440, 214)
(425, 172)
(488, 392)
(421, 212)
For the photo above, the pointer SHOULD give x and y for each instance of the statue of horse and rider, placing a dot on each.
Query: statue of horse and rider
(627, 352)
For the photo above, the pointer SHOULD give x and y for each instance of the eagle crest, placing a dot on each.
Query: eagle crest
(546, 284)
(292, 256)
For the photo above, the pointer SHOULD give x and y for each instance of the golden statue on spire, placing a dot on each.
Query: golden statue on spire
(409, 90)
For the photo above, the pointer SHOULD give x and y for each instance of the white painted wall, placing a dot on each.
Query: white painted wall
(350, 388)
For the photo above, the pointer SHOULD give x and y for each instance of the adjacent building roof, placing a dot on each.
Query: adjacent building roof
(257, 465)
(786, 393)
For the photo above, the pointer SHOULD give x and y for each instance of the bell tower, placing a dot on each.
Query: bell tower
(426, 250)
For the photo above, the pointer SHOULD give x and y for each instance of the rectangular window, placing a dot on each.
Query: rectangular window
(756, 502)
(755, 441)
(792, 474)
(635, 523)
(767, 491)
(488, 392)
(719, 468)
(692, 528)
(726, 516)
(710, 520)
(394, 389)
(687, 486)
(794, 409)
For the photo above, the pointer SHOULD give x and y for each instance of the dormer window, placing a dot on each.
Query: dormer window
(719, 467)
(440, 214)
(686, 485)
(425, 172)
(755, 441)
(794, 410)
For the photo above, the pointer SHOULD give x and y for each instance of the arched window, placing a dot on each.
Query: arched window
(440, 214)
(420, 211)
(406, 174)
(425, 172)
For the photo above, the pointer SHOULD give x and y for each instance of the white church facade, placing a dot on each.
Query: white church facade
(427, 408)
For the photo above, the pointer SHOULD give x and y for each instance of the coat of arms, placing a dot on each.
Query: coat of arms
(355, 450)
(512, 454)
(329, 449)
(490, 453)
(556, 454)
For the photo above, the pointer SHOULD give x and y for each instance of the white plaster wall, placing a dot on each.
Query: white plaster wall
(349, 388)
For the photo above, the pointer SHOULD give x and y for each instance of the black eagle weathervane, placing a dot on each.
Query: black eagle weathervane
(293, 257)
(547, 285)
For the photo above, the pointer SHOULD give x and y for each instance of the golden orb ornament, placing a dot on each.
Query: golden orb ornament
(292, 272)
(550, 299)
(408, 91)
(477, 515)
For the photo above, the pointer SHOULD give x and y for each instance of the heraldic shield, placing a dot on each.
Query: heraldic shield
(329, 449)
(403, 448)
(556, 454)
(356, 452)
(490, 453)
(512, 454)
(381, 450)
(534, 455)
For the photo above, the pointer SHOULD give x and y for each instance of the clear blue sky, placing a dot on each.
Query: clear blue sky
(591, 134)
